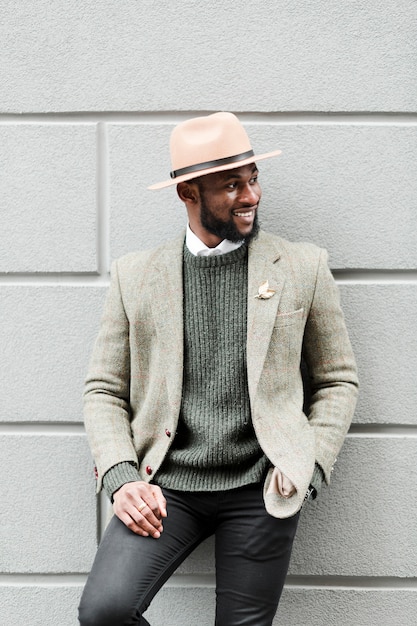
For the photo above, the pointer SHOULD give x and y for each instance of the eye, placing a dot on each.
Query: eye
(231, 185)
(254, 180)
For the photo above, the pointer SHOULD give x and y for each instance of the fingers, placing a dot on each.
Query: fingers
(161, 502)
(143, 520)
(141, 507)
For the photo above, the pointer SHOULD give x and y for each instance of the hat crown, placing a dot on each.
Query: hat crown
(209, 138)
(209, 144)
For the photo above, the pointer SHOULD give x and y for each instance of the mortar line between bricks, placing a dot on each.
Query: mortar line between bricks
(352, 582)
(41, 428)
(383, 431)
(36, 580)
(104, 509)
(342, 276)
(54, 280)
(103, 201)
(378, 583)
(77, 428)
(375, 276)
(259, 117)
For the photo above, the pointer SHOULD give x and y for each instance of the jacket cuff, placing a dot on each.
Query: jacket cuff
(317, 478)
(118, 475)
(316, 483)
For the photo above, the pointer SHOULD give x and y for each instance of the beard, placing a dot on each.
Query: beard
(225, 229)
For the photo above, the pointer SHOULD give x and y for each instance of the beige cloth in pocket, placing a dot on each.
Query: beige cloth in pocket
(281, 484)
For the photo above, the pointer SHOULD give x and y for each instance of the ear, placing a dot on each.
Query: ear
(188, 193)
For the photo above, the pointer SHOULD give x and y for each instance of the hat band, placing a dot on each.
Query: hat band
(203, 166)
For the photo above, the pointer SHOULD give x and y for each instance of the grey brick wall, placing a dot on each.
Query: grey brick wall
(90, 92)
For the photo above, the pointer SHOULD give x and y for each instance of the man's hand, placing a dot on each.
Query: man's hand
(141, 507)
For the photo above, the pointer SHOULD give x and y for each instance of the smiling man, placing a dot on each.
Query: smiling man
(194, 397)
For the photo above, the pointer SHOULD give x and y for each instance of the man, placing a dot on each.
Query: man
(194, 397)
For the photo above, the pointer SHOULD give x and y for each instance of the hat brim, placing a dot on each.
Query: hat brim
(212, 170)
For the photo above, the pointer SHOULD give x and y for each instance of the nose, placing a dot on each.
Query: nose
(250, 195)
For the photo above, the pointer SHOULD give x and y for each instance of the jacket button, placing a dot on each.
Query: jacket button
(148, 470)
(167, 432)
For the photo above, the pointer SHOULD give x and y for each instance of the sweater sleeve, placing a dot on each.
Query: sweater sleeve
(118, 475)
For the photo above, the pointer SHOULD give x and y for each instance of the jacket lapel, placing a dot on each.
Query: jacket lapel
(263, 265)
(167, 306)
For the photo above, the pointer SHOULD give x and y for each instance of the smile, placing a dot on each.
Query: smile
(244, 213)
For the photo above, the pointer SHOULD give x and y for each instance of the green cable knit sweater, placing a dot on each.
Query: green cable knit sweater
(215, 446)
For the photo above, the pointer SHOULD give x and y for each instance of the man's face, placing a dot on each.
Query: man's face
(228, 206)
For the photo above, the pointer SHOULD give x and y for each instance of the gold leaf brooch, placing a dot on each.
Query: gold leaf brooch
(264, 292)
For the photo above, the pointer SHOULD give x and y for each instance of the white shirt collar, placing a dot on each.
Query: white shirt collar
(198, 248)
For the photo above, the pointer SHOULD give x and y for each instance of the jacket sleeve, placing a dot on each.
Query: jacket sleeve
(331, 367)
(107, 388)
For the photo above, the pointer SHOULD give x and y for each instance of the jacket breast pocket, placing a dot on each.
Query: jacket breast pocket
(285, 318)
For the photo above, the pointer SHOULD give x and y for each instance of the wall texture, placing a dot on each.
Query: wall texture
(90, 92)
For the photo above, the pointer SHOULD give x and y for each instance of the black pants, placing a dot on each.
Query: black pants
(252, 556)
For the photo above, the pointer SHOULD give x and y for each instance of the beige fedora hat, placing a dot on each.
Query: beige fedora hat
(204, 145)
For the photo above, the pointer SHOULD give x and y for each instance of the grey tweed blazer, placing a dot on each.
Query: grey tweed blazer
(133, 388)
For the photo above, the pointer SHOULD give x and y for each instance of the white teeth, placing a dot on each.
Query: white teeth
(248, 214)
